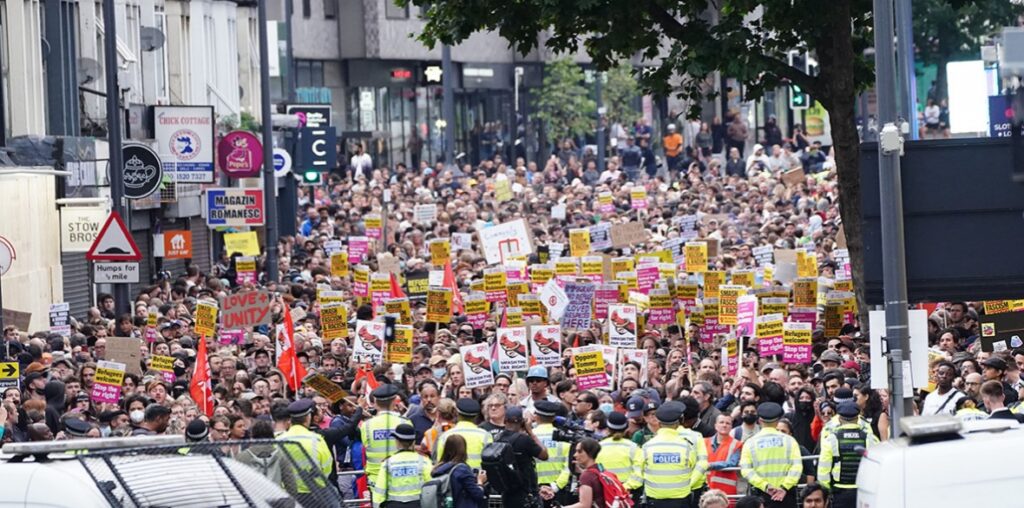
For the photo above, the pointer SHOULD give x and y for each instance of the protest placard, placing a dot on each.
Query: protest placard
(476, 308)
(769, 335)
(622, 325)
(339, 264)
(245, 309)
(746, 315)
(504, 241)
(245, 243)
(764, 255)
(628, 234)
(400, 349)
(731, 352)
(165, 366)
(546, 345)
(425, 213)
(439, 305)
(696, 254)
(606, 202)
(638, 198)
(400, 307)
(512, 349)
(661, 312)
(18, 319)
(728, 302)
(805, 292)
(106, 386)
(600, 236)
(325, 387)
(476, 365)
(358, 248)
(637, 356)
(127, 350)
(589, 364)
(796, 343)
(605, 295)
(368, 346)
(579, 242)
(245, 270)
(806, 264)
(59, 319)
(374, 225)
(774, 305)
(581, 300)
(440, 251)
(462, 241)
(333, 321)
(555, 299)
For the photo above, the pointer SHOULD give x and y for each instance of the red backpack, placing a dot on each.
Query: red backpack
(615, 495)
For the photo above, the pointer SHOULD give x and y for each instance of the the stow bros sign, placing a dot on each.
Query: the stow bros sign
(234, 207)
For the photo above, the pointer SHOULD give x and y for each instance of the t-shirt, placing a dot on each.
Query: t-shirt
(526, 450)
(493, 429)
(590, 478)
(934, 401)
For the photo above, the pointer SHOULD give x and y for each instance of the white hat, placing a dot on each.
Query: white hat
(671, 127)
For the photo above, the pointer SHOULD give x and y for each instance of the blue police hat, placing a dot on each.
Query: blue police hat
(467, 407)
(769, 411)
(848, 410)
(617, 421)
(301, 407)
(385, 391)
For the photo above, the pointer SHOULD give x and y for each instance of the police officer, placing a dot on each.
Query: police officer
(668, 461)
(771, 460)
(75, 428)
(622, 456)
(317, 455)
(476, 438)
(197, 431)
(376, 432)
(400, 479)
(841, 454)
(842, 395)
(553, 473)
(689, 420)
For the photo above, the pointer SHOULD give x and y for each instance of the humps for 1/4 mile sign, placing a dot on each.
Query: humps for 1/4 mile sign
(234, 207)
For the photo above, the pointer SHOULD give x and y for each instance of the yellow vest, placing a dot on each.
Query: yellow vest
(667, 466)
(476, 439)
(317, 455)
(700, 470)
(829, 462)
(771, 458)
(555, 470)
(401, 478)
(377, 440)
(622, 457)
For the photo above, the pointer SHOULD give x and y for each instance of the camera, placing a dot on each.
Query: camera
(567, 432)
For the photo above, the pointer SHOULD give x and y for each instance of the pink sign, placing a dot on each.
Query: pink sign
(746, 314)
(646, 277)
(358, 246)
(240, 154)
(151, 334)
(106, 387)
(228, 337)
(796, 343)
(804, 315)
(711, 329)
(243, 278)
(604, 294)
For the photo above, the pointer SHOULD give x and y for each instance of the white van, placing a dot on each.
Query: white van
(943, 462)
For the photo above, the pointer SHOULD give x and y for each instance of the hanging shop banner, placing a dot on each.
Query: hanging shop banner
(234, 207)
(185, 141)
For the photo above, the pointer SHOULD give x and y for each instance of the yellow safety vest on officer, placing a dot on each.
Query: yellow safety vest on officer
(476, 438)
(841, 396)
(770, 459)
(840, 456)
(400, 479)
(668, 460)
(553, 472)
(317, 453)
(620, 455)
(690, 416)
(376, 436)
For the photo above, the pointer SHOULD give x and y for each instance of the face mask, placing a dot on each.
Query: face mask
(137, 416)
(804, 407)
(749, 419)
(606, 408)
(439, 373)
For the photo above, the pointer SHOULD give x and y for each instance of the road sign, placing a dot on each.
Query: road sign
(113, 243)
(143, 173)
(318, 148)
(282, 162)
(116, 273)
(240, 154)
(7, 255)
(9, 375)
(234, 207)
(178, 244)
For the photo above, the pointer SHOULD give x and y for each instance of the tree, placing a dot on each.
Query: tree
(564, 104)
(685, 41)
(619, 94)
(946, 30)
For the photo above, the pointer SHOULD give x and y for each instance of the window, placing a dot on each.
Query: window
(307, 8)
(309, 73)
(330, 9)
(395, 11)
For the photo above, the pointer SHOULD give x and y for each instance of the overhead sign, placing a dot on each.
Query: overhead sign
(234, 207)
(113, 243)
(240, 154)
(185, 142)
(7, 255)
(311, 115)
(142, 172)
(282, 162)
(79, 226)
(178, 244)
(116, 273)
(317, 147)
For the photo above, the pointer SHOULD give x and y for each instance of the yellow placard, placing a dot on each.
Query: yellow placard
(567, 267)
(833, 319)
(151, 319)
(245, 243)
(245, 264)
(326, 296)
(339, 264)
(996, 307)
(532, 307)
(727, 303)
(767, 329)
(660, 300)
(806, 264)
(401, 307)
(805, 292)
(495, 280)
(773, 305)
(743, 278)
(476, 306)
(329, 389)
(588, 363)
(400, 349)
(513, 316)
(109, 376)
(623, 265)
(593, 265)
(579, 242)
(502, 190)
(162, 363)
(373, 221)
(440, 251)
(696, 254)
(206, 319)
(697, 316)
(687, 291)
(712, 281)
(380, 283)
(439, 305)
(333, 321)
(540, 274)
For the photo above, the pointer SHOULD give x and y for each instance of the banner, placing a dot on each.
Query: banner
(512, 349)
(439, 305)
(476, 365)
(245, 310)
(622, 325)
(245, 243)
(546, 345)
(796, 343)
(106, 387)
(440, 251)
(746, 315)
(400, 349)
(368, 346)
(206, 319)
(578, 311)
(339, 264)
(769, 335)
(333, 321)
(589, 364)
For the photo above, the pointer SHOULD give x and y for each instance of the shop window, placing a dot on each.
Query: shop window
(330, 9)
(309, 73)
(307, 8)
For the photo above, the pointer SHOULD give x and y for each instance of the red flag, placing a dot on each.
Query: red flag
(449, 282)
(364, 371)
(288, 362)
(396, 289)
(199, 387)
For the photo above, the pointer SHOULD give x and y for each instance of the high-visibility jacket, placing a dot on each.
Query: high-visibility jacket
(771, 458)
(700, 470)
(972, 413)
(622, 457)
(833, 423)
(476, 439)
(319, 455)
(555, 470)
(401, 478)
(377, 440)
(667, 465)
(725, 481)
(839, 458)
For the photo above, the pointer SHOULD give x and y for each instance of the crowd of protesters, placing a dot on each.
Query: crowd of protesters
(740, 203)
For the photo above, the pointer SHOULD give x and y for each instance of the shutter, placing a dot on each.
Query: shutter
(144, 240)
(200, 244)
(77, 286)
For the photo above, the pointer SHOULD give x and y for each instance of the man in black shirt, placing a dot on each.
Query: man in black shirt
(526, 447)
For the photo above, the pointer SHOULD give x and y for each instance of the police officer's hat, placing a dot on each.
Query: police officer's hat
(404, 432)
(848, 410)
(299, 408)
(384, 392)
(670, 412)
(617, 421)
(197, 430)
(769, 412)
(468, 407)
(546, 408)
(76, 427)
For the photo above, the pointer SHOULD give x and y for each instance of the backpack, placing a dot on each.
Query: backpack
(499, 461)
(437, 492)
(615, 495)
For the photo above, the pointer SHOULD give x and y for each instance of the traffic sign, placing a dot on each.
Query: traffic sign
(142, 172)
(7, 255)
(318, 148)
(114, 243)
(282, 162)
(116, 273)
(9, 375)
